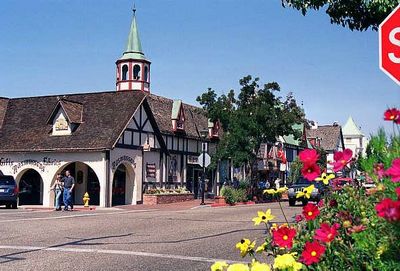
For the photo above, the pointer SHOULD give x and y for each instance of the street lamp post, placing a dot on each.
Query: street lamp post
(203, 135)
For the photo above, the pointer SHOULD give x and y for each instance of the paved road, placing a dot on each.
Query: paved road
(127, 239)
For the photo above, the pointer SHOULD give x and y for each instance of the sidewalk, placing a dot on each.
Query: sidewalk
(171, 206)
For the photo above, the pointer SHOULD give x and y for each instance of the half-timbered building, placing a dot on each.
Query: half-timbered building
(117, 144)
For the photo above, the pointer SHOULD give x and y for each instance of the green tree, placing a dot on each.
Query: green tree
(354, 14)
(256, 115)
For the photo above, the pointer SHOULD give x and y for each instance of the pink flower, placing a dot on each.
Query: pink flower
(321, 203)
(310, 171)
(394, 170)
(379, 170)
(308, 156)
(357, 229)
(388, 209)
(299, 218)
(325, 233)
(341, 159)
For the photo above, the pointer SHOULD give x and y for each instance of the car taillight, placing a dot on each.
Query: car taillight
(16, 190)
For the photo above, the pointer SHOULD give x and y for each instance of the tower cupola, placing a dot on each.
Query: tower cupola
(133, 69)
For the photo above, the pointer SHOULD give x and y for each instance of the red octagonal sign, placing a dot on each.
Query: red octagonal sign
(389, 45)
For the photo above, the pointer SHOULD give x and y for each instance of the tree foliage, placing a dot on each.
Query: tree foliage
(354, 14)
(254, 116)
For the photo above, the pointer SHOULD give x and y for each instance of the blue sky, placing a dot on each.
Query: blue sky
(57, 47)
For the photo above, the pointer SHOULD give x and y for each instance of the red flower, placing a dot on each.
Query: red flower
(333, 203)
(325, 233)
(394, 170)
(310, 171)
(379, 170)
(308, 156)
(310, 211)
(388, 209)
(312, 252)
(341, 159)
(392, 114)
(283, 237)
(397, 190)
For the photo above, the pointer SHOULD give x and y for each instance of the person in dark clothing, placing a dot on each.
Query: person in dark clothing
(69, 184)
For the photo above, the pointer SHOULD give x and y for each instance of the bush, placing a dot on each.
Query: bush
(233, 195)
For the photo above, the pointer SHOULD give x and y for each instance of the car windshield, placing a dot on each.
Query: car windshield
(7, 180)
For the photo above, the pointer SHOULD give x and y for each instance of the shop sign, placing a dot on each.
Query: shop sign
(151, 170)
(121, 159)
(41, 165)
(192, 160)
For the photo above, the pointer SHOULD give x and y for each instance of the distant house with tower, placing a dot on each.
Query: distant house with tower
(354, 138)
(116, 143)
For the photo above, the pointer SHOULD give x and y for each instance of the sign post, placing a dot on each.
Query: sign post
(389, 45)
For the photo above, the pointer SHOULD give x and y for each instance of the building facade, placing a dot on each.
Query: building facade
(117, 144)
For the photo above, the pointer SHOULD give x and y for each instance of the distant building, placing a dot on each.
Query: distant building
(354, 139)
(327, 137)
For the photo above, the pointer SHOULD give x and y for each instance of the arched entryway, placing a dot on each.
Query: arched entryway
(86, 180)
(30, 186)
(123, 185)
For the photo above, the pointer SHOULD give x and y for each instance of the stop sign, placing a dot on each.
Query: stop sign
(389, 45)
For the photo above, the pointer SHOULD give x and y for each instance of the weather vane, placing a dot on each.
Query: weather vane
(134, 8)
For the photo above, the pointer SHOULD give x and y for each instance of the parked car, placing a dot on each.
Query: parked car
(299, 185)
(8, 191)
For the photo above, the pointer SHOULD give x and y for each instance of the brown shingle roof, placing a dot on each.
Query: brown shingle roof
(73, 110)
(330, 135)
(105, 115)
(161, 107)
(3, 109)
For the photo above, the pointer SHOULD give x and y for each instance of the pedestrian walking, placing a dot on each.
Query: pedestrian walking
(58, 190)
(69, 184)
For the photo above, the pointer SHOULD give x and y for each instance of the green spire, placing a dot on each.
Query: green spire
(134, 46)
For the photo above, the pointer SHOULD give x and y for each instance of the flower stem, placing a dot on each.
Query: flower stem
(279, 201)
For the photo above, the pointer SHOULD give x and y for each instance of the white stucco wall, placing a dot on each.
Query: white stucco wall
(49, 164)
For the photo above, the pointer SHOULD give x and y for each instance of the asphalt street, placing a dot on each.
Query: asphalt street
(152, 239)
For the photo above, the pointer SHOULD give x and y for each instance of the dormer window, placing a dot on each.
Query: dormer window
(178, 116)
(213, 128)
(65, 117)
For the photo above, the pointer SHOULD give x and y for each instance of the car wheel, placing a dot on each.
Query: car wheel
(292, 202)
(8, 206)
(14, 205)
(304, 201)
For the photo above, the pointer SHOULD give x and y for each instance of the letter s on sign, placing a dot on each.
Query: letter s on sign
(394, 41)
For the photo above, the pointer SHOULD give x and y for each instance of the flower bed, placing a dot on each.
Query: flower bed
(153, 199)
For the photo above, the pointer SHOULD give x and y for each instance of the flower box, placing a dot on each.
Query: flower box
(219, 200)
(154, 199)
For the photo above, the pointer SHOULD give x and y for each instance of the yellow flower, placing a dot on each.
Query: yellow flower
(306, 192)
(238, 267)
(219, 266)
(346, 224)
(245, 246)
(270, 191)
(263, 217)
(261, 247)
(273, 191)
(256, 266)
(287, 262)
(325, 178)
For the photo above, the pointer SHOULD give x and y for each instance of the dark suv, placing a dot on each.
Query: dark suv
(8, 191)
(301, 183)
